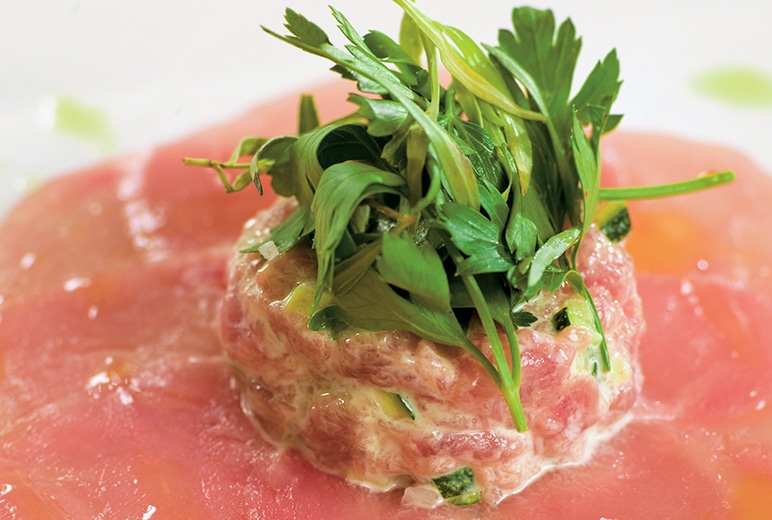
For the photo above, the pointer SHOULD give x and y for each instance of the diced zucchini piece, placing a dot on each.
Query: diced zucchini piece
(575, 312)
(561, 320)
(326, 317)
(578, 312)
(301, 298)
(458, 487)
(613, 220)
(395, 405)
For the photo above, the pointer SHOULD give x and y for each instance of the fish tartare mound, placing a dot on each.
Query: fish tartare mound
(391, 409)
(441, 302)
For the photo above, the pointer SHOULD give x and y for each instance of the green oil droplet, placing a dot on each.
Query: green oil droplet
(68, 116)
(735, 85)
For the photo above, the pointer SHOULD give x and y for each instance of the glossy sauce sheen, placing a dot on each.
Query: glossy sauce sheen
(115, 400)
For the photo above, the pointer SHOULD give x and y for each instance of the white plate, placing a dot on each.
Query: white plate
(153, 70)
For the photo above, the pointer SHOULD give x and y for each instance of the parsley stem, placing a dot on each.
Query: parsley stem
(508, 382)
(702, 182)
(210, 163)
(416, 149)
(577, 282)
(401, 221)
(220, 168)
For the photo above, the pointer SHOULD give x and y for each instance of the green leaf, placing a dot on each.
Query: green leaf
(543, 61)
(466, 62)
(373, 305)
(308, 116)
(457, 173)
(364, 60)
(248, 146)
(349, 271)
(469, 229)
(330, 319)
(494, 204)
(454, 169)
(476, 144)
(523, 319)
(288, 232)
(410, 38)
(589, 174)
(600, 88)
(341, 189)
(277, 153)
(552, 249)
(480, 263)
(418, 271)
(347, 142)
(389, 51)
(385, 116)
(306, 31)
(477, 237)
(547, 57)
(521, 236)
(298, 163)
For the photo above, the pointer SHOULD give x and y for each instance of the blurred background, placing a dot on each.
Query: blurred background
(84, 80)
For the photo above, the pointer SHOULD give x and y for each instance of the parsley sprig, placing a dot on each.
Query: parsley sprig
(431, 206)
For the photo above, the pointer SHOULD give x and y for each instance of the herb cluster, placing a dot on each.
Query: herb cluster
(431, 205)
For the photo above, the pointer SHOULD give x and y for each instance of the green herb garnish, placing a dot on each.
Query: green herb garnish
(458, 487)
(432, 201)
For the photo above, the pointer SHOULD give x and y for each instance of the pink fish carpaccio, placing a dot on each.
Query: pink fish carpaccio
(117, 402)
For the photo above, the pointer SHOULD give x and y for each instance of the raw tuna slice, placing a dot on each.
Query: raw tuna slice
(115, 401)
